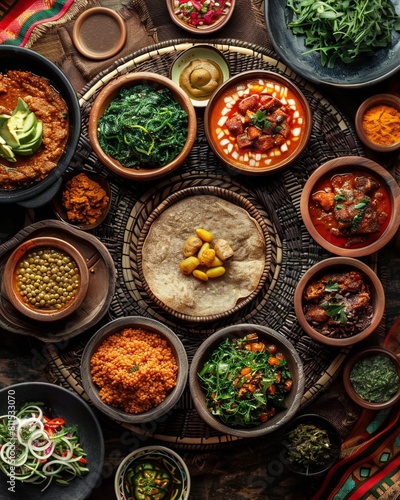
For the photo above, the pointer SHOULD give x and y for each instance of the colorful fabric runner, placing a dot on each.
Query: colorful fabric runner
(370, 468)
(18, 18)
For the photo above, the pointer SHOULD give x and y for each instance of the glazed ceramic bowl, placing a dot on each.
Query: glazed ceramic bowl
(262, 152)
(392, 114)
(61, 403)
(86, 202)
(315, 287)
(383, 192)
(109, 93)
(22, 59)
(322, 430)
(199, 71)
(371, 360)
(149, 325)
(216, 17)
(158, 456)
(17, 275)
(267, 336)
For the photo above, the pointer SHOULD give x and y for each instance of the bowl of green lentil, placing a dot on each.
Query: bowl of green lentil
(46, 278)
(372, 378)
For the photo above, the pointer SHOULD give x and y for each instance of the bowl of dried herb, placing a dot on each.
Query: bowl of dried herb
(311, 445)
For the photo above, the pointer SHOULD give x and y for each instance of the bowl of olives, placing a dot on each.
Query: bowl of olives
(46, 278)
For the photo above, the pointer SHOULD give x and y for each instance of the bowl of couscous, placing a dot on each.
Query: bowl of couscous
(134, 369)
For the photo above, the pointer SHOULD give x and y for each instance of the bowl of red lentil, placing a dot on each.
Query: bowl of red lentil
(134, 369)
(46, 279)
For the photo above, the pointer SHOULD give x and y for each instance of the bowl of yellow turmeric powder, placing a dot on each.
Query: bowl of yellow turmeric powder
(377, 123)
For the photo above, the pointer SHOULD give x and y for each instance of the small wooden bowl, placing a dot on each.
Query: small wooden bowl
(201, 29)
(10, 285)
(370, 351)
(343, 165)
(376, 100)
(109, 93)
(61, 212)
(340, 264)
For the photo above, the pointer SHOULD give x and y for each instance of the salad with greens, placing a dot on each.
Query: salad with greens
(246, 381)
(143, 127)
(37, 449)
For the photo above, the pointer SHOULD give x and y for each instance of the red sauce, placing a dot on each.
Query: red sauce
(330, 222)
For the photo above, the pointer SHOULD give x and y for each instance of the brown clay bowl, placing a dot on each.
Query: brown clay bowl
(109, 93)
(250, 160)
(377, 100)
(364, 355)
(23, 251)
(319, 222)
(339, 265)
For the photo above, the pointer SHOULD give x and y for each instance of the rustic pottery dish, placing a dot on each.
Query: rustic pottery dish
(200, 70)
(61, 211)
(310, 432)
(22, 59)
(265, 335)
(371, 403)
(149, 325)
(89, 29)
(23, 255)
(110, 92)
(312, 279)
(67, 405)
(262, 152)
(380, 123)
(319, 221)
(177, 476)
(216, 16)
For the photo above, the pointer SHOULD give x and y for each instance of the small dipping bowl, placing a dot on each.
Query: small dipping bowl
(11, 281)
(200, 70)
(380, 122)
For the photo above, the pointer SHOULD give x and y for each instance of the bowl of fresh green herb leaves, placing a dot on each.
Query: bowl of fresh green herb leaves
(246, 380)
(339, 301)
(142, 126)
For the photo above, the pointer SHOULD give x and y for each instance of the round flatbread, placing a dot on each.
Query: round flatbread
(162, 254)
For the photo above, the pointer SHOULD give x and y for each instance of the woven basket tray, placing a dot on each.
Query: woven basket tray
(277, 197)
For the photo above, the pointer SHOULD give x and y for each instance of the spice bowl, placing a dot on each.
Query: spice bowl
(279, 357)
(163, 464)
(46, 279)
(311, 445)
(152, 157)
(83, 200)
(133, 344)
(372, 378)
(377, 123)
(339, 301)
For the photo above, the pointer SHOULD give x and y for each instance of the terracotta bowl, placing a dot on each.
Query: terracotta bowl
(317, 221)
(164, 458)
(117, 326)
(340, 265)
(250, 160)
(13, 293)
(178, 17)
(109, 93)
(62, 213)
(322, 424)
(200, 82)
(363, 355)
(389, 100)
(268, 336)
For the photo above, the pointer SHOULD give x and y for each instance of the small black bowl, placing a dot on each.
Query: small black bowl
(321, 423)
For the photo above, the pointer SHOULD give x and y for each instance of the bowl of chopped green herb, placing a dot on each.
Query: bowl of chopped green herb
(246, 380)
(311, 445)
(339, 301)
(142, 126)
(372, 378)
